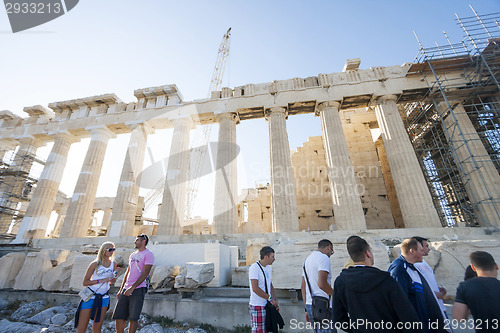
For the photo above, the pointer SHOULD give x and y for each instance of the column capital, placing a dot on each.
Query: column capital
(326, 105)
(64, 136)
(32, 141)
(228, 115)
(386, 98)
(101, 130)
(145, 125)
(182, 121)
(276, 109)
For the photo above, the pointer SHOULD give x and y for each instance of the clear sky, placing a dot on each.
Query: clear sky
(117, 46)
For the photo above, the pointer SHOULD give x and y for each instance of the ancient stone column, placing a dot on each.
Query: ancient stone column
(78, 217)
(413, 194)
(172, 211)
(226, 181)
(125, 204)
(37, 216)
(283, 200)
(13, 186)
(478, 173)
(347, 208)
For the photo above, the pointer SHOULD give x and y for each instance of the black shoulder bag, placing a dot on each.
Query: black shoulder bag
(273, 317)
(320, 305)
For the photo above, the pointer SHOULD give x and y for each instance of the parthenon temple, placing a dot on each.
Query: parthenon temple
(404, 150)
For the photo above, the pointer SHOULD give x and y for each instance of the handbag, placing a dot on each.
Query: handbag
(86, 293)
(273, 319)
(320, 305)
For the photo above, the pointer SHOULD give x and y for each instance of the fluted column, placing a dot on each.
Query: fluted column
(283, 200)
(127, 194)
(226, 178)
(347, 208)
(79, 213)
(13, 184)
(479, 175)
(37, 216)
(172, 211)
(413, 194)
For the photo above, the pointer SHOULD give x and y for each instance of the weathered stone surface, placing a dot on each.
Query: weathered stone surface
(253, 247)
(153, 328)
(15, 262)
(18, 327)
(27, 310)
(59, 319)
(58, 278)
(194, 275)
(455, 258)
(45, 317)
(35, 265)
(57, 256)
(240, 277)
(80, 265)
(164, 276)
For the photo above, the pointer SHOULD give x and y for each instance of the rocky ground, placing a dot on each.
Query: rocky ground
(25, 317)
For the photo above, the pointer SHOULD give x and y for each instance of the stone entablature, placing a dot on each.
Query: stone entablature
(158, 105)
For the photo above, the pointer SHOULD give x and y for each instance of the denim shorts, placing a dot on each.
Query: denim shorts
(90, 302)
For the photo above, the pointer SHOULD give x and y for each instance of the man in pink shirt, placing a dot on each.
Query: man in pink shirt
(133, 288)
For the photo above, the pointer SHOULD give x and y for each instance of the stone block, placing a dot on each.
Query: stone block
(80, 265)
(58, 278)
(164, 276)
(181, 254)
(35, 266)
(28, 309)
(13, 262)
(57, 256)
(240, 277)
(194, 275)
(253, 247)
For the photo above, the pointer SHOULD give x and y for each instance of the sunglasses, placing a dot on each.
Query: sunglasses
(111, 249)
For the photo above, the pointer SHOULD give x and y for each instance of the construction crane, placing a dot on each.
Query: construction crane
(200, 140)
(202, 133)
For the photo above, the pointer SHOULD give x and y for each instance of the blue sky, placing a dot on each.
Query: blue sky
(116, 46)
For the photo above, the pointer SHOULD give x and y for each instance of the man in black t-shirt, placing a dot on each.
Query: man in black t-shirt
(480, 295)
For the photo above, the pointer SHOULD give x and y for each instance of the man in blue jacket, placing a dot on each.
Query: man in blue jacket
(366, 299)
(415, 286)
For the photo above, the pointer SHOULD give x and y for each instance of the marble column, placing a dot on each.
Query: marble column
(283, 199)
(79, 213)
(347, 208)
(413, 194)
(37, 216)
(478, 173)
(125, 204)
(13, 184)
(226, 178)
(172, 211)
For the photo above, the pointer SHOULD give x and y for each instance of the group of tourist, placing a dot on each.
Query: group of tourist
(363, 298)
(102, 273)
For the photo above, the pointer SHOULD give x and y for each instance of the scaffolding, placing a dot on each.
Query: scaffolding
(462, 79)
(19, 172)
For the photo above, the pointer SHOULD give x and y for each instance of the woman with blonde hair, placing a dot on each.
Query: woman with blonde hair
(100, 274)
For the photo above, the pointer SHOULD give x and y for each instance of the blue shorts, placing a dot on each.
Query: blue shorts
(90, 302)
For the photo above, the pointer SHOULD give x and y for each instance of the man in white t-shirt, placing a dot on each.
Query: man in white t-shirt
(259, 292)
(426, 270)
(317, 266)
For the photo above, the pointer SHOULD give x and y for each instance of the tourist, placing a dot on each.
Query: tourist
(366, 299)
(133, 288)
(261, 289)
(416, 287)
(100, 274)
(480, 295)
(316, 280)
(426, 270)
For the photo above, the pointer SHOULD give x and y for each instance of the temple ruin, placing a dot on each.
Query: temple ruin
(433, 170)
